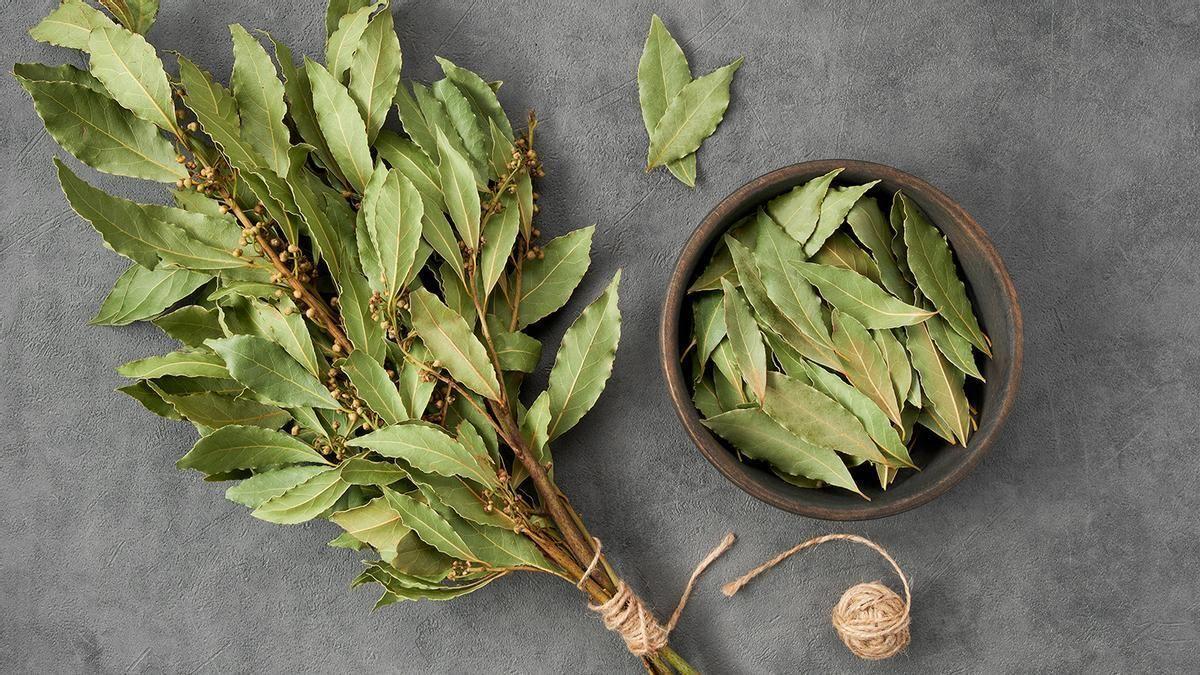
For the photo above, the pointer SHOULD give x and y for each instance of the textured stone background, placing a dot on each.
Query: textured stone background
(1069, 132)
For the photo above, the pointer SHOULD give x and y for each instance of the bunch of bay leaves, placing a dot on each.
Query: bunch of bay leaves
(356, 298)
(826, 332)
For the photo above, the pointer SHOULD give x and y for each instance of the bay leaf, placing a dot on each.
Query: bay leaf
(515, 350)
(464, 121)
(450, 340)
(412, 118)
(414, 389)
(941, 383)
(184, 363)
(482, 96)
(758, 436)
(719, 266)
(898, 364)
(341, 125)
(136, 15)
(65, 72)
(100, 133)
(547, 282)
(133, 74)
(745, 341)
(860, 297)
(584, 361)
(708, 323)
(354, 301)
(404, 156)
(499, 237)
(788, 290)
(375, 71)
(865, 365)
(71, 25)
(932, 264)
(271, 373)
(436, 231)
(305, 501)
(691, 116)
(459, 190)
(298, 92)
(799, 210)
(216, 411)
(872, 228)
(151, 400)
(140, 294)
(259, 96)
(216, 110)
(837, 203)
(359, 471)
(500, 548)
(662, 71)
(427, 448)
(374, 387)
(343, 42)
(394, 221)
(728, 384)
(261, 487)
(464, 498)
(247, 447)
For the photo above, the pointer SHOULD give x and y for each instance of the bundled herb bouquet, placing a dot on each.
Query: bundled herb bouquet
(353, 300)
(826, 331)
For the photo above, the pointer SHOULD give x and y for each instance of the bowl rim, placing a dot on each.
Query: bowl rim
(714, 451)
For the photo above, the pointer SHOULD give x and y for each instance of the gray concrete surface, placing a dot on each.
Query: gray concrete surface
(1069, 130)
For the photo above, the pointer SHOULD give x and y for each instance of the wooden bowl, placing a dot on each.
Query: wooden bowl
(992, 293)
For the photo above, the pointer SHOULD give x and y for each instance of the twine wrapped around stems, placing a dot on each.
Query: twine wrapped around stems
(870, 618)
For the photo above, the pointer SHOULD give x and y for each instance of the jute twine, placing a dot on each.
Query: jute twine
(871, 620)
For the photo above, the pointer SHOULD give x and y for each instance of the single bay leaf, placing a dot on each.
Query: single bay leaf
(216, 110)
(140, 294)
(413, 120)
(364, 332)
(799, 210)
(344, 41)
(261, 487)
(100, 133)
(758, 436)
(691, 116)
(719, 266)
(341, 125)
(269, 371)
(298, 91)
(464, 120)
(939, 427)
(336, 9)
(865, 365)
(375, 71)
(897, 362)
(956, 348)
(133, 74)
(837, 203)
(374, 387)
(499, 547)
(216, 411)
(932, 264)
(547, 282)
(71, 25)
(247, 447)
(584, 361)
(436, 231)
(414, 389)
(305, 501)
(427, 448)
(259, 96)
(41, 72)
(941, 383)
(728, 383)
(187, 363)
(499, 236)
(450, 340)
(151, 399)
(745, 340)
(516, 351)
(394, 222)
(872, 228)
(708, 323)
(459, 190)
(860, 297)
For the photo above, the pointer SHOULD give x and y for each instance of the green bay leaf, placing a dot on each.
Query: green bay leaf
(140, 294)
(374, 387)
(427, 448)
(584, 361)
(133, 74)
(746, 341)
(859, 297)
(450, 340)
(547, 282)
(691, 116)
(865, 365)
(271, 373)
(247, 447)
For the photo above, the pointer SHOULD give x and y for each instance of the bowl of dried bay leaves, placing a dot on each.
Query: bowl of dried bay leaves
(841, 340)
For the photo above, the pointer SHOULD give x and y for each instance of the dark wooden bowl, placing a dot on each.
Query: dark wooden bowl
(995, 301)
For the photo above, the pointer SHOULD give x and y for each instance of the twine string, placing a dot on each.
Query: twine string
(871, 620)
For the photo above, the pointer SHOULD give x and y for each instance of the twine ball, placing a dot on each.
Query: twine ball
(872, 621)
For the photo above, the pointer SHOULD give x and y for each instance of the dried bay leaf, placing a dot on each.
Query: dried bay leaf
(343, 42)
(375, 71)
(584, 361)
(374, 387)
(873, 419)
(792, 293)
(271, 373)
(898, 364)
(817, 418)
(394, 213)
(427, 448)
(375, 523)
(140, 294)
(859, 297)
(450, 340)
(708, 323)
(548, 282)
(872, 228)
(461, 114)
(799, 210)
(691, 116)
(429, 526)
(406, 157)
(216, 411)
(941, 383)
(341, 125)
(745, 340)
(184, 363)
(261, 487)
(841, 251)
(758, 436)
(458, 187)
(932, 264)
(865, 365)
(956, 348)
(662, 71)
(133, 74)
(136, 15)
(247, 447)
(305, 501)
(191, 325)
(71, 25)
(259, 95)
